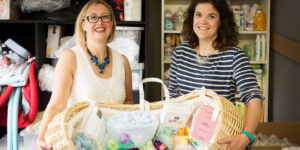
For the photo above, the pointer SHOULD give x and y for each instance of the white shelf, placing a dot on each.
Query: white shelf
(262, 62)
(253, 32)
(172, 31)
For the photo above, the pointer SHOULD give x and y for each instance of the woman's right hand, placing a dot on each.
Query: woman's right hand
(42, 145)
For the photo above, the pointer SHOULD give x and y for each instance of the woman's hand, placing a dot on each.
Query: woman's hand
(42, 145)
(236, 142)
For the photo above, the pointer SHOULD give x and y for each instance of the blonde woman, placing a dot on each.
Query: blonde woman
(90, 70)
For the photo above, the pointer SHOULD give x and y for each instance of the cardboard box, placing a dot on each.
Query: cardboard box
(291, 130)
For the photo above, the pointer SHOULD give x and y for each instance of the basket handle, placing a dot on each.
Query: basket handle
(141, 90)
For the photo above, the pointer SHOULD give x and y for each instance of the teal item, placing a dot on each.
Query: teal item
(126, 146)
(249, 135)
(12, 120)
(169, 25)
(15, 118)
(166, 138)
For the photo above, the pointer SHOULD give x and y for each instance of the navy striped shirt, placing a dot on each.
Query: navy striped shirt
(226, 72)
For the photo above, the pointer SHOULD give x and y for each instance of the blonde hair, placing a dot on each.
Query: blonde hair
(79, 33)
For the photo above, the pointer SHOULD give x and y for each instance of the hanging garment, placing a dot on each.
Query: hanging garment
(29, 98)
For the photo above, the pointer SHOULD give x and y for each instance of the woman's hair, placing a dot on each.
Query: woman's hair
(79, 33)
(227, 31)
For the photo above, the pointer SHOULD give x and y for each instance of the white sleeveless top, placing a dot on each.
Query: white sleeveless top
(88, 86)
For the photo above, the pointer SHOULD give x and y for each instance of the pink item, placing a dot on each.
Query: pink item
(204, 126)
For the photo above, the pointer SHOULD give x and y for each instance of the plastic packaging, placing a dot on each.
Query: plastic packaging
(139, 125)
(258, 50)
(250, 22)
(242, 21)
(45, 77)
(236, 12)
(67, 42)
(252, 52)
(245, 14)
(259, 20)
(127, 42)
(168, 25)
(137, 74)
(179, 19)
(263, 47)
(47, 5)
(178, 138)
(165, 137)
(184, 144)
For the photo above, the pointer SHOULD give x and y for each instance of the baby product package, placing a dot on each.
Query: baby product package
(88, 126)
(204, 122)
(131, 129)
(175, 115)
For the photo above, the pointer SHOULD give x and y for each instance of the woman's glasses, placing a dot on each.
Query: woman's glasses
(95, 19)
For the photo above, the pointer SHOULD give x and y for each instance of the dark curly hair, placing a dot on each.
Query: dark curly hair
(227, 31)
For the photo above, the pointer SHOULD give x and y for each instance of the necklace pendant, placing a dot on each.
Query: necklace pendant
(201, 60)
(95, 60)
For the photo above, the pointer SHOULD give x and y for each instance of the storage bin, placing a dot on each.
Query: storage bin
(127, 42)
(137, 74)
(29, 139)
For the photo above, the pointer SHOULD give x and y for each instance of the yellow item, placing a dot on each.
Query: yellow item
(177, 40)
(178, 138)
(173, 40)
(259, 20)
(262, 114)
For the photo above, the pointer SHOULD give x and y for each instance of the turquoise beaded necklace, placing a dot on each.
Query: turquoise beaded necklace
(95, 60)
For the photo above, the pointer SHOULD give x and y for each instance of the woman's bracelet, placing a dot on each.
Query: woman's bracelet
(249, 136)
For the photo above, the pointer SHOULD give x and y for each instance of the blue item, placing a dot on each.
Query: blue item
(82, 142)
(169, 25)
(249, 135)
(12, 120)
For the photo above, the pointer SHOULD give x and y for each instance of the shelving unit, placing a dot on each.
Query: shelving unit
(246, 37)
(32, 34)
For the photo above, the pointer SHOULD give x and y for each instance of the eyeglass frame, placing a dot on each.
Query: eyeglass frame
(98, 18)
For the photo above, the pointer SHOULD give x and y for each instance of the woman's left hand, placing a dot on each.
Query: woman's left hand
(236, 142)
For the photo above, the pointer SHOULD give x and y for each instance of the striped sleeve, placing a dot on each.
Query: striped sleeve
(173, 82)
(245, 78)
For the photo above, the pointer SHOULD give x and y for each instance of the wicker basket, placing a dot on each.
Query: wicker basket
(231, 118)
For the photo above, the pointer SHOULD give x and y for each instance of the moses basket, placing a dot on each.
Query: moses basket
(230, 120)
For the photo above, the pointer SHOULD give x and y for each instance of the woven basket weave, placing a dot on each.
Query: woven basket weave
(230, 121)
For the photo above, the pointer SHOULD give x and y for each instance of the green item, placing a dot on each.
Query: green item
(166, 137)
